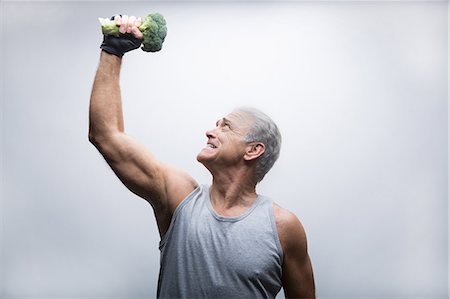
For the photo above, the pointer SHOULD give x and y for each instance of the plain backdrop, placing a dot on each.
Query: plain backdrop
(358, 89)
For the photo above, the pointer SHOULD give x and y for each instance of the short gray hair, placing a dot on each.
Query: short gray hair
(263, 130)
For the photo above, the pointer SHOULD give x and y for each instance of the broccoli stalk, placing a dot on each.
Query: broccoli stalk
(153, 28)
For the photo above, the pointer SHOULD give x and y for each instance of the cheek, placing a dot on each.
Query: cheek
(229, 139)
(239, 147)
(224, 138)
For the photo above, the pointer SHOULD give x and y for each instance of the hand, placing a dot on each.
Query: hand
(130, 36)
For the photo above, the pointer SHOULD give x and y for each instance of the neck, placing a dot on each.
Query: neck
(237, 189)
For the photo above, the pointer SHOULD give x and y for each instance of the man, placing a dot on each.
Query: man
(221, 241)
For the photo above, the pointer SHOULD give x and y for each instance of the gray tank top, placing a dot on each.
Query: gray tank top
(205, 255)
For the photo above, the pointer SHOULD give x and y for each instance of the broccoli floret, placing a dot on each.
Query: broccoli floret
(155, 31)
(153, 28)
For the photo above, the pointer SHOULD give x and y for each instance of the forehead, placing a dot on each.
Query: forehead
(240, 119)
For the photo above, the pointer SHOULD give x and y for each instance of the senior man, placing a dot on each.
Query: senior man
(223, 240)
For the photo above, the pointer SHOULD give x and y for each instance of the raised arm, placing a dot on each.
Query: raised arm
(164, 187)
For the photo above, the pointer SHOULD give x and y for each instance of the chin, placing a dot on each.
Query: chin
(201, 157)
(204, 158)
(204, 155)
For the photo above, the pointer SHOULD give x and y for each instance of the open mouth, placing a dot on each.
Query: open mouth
(209, 145)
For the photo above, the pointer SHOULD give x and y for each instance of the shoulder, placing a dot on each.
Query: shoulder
(178, 185)
(297, 277)
(290, 230)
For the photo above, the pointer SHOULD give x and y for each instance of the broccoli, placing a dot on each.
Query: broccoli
(153, 28)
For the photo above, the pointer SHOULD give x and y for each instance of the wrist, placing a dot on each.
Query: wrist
(110, 56)
(110, 63)
(111, 51)
(119, 45)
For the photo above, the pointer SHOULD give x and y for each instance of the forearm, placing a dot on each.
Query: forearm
(105, 109)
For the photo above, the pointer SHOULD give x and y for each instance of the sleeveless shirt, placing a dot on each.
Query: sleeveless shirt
(205, 255)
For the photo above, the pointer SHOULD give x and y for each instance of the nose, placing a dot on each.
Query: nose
(211, 133)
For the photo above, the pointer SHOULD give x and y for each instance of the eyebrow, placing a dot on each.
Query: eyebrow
(224, 120)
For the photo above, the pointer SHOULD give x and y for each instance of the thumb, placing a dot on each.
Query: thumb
(136, 32)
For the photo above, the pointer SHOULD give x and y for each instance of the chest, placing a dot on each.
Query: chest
(245, 248)
(206, 255)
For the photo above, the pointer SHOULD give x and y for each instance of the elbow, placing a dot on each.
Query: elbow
(92, 137)
(99, 135)
(95, 135)
(95, 138)
(97, 142)
(101, 141)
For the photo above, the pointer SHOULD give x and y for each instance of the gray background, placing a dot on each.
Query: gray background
(359, 90)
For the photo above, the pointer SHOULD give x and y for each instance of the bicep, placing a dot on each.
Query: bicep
(298, 281)
(140, 172)
(297, 274)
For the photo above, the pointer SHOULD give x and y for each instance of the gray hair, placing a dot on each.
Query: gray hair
(263, 130)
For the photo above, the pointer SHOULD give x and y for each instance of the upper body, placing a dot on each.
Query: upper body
(206, 255)
(234, 154)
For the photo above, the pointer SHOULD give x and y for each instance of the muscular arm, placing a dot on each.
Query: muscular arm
(298, 278)
(105, 110)
(161, 185)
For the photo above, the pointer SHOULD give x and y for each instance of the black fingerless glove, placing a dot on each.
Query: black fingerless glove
(119, 45)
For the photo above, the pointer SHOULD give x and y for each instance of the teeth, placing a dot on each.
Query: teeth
(210, 146)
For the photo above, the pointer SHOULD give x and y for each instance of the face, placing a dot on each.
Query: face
(226, 144)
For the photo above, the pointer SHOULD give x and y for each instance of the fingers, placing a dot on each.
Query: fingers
(131, 21)
(117, 19)
(137, 33)
(135, 29)
(138, 22)
(124, 24)
(129, 24)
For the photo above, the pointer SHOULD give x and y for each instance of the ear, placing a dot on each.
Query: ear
(254, 150)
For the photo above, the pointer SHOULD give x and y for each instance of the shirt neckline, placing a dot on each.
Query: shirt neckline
(229, 219)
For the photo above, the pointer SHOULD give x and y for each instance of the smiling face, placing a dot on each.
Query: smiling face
(226, 144)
